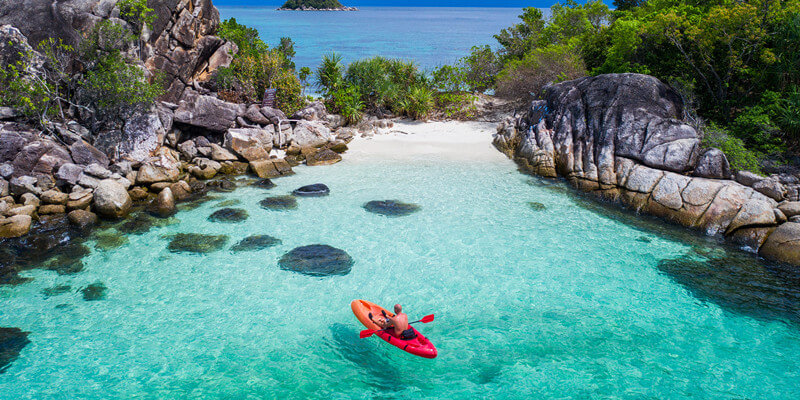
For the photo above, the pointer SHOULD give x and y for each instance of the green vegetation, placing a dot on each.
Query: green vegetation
(107, 88)
(735, 59)
(136, 13)
(318, 4)
(257, 67)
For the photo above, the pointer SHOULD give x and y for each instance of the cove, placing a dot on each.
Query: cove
(573, 300)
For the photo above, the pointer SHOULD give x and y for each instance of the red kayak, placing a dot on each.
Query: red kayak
(418, 346)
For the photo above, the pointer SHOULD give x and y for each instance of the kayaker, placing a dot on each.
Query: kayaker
(399, 322)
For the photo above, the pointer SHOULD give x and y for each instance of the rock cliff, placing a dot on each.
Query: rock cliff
(622, 137)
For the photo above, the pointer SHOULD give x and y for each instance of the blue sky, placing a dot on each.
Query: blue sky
(415, 3)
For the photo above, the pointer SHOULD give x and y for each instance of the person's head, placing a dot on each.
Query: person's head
(398, 308)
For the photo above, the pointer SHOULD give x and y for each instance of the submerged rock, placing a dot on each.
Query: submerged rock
(69, 259)
(265, 184)
(12, 341)
(109, 240)
(392, 208)
(255, 243)
(143, 222)
(317, 260)
(95, 291)
(229, 215)
(536, 206)
(56, 290)
(279, 203)
(315, 190)
(196, 243)
(222, 185)
(227, 203)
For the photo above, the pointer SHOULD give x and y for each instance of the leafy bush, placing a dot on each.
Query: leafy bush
(417, 103)
(347, 102)
(739, 156)
(330, 73)
(521, 79)
(256, 68)
(480, 68)
(136, 13)
(454, 105)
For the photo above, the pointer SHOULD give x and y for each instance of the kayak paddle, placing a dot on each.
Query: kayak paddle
(369, 332)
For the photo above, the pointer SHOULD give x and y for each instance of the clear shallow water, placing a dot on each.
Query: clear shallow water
(431, 36)
(566, 302)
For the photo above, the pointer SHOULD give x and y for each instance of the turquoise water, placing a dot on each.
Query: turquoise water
(431, 36)
(565, 302)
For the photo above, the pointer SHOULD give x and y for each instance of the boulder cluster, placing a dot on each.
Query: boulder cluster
(622, 137)
(169, 154)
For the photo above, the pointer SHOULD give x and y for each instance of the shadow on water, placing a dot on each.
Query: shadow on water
(362, 353)
(713, 270)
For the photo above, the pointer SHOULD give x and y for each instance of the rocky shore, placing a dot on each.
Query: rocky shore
(622, 137)
(190, 141)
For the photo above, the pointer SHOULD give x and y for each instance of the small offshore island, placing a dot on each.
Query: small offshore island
(315, 5)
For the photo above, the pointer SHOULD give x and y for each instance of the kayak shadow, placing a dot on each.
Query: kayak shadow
(365, 354)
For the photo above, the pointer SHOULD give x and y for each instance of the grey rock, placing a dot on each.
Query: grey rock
(69, 173)
(84, 154)
(24, 184)
(30, 199)
(274, 115)
(122, 168)
(313, 112)
(111, 199)
(747, 178)
(250, 144)
(783, 244)
(6, 170)
(218, 153)
(713, 164)
(188, 149)
(7, 113)
(790, 208)
(208, 113)
(770, 188)
(97, 171)
(4, 188)
(311, 134)
(88, 181)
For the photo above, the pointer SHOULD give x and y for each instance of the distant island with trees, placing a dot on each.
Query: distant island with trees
(315, 5)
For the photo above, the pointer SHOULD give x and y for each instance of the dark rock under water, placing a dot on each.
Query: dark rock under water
(391, 208)
(255, 243)
(279, 203)
(12, 341)
(95, 291)
(229, 215)
(56, 290)
(317, 260)
(227, 203)
(109, 240)
(196, 243)
(315, 190)
(143, 222)
(536, 206)
(265, 184)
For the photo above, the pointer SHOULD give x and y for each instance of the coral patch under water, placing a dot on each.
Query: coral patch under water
(279, 203)
(229, 215)
(317, 260)
(391, 208)
(255, 243)
(95, 291)
(12, 341)
(195, 243)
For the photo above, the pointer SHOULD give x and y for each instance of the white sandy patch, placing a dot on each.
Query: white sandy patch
(451, 140)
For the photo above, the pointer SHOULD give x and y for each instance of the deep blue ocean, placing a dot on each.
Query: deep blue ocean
(431, 36)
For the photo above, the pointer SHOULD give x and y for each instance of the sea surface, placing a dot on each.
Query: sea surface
(536, 292)
(430, 36)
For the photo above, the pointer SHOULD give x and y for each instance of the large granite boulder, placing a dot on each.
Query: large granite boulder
(207, 113)
(713, 164)
(15, 225)
(313, 112)
(111, 200)
(783, 244)
(250, 144)
(311, 134)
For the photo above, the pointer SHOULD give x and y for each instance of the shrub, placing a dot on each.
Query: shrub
(417, 102)
(347, 102)
(521, 79)
(449, 78)
(480, 68)
(330, 73)
(257, 68)
(292, 4)
(136, 13)
(739, 156)
(456, 105)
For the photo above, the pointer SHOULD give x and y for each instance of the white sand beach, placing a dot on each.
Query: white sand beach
(454, 140)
